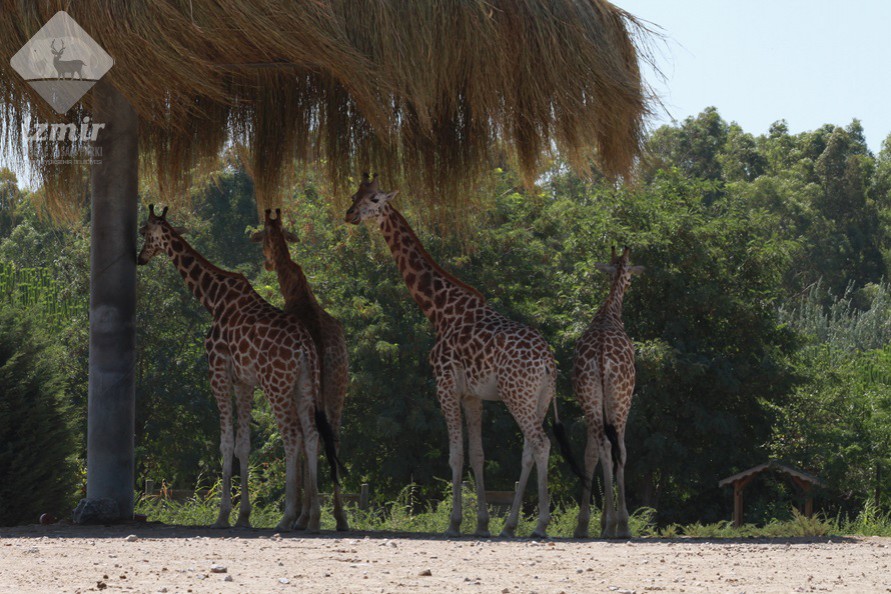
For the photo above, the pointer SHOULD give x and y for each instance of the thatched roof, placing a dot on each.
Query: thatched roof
(426, 92)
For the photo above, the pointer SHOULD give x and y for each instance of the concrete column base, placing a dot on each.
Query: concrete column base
(97, 511)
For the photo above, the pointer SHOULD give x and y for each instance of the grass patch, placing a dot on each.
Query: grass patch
(407, 513)
(798, 526)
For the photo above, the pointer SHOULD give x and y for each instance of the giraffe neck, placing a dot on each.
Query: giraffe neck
(294, 287)
(211, 285)
(299, 299)
(292, 282)
(611, 310)
(439, 294)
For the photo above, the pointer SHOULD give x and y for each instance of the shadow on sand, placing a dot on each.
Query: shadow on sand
(157, 530)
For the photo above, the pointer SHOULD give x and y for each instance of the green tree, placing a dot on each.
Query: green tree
(711, 351)
(37, 445)
(694, 147)
(838, 424)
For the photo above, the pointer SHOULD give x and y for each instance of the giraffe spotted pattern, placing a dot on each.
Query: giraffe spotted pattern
(250, 344)
(326, 331)
(478, 355)
(603, 382)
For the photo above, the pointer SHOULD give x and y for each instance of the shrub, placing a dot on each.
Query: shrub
(36, 439)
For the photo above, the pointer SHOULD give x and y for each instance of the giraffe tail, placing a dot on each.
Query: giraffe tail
(565, 447)
(609, 430)
(329, 441)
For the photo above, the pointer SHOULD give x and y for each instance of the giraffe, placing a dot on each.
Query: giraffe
(478, 355)
(603, 381)
(250, 344)
(326, 331)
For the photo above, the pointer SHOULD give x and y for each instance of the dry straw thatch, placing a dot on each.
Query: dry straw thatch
(429, 92)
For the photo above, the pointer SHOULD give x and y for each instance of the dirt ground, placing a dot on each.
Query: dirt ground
(173, 559)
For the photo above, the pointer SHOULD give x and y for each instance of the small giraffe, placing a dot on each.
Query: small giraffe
(327, 333)
(478, 355)
(603, 381)
(250, 344)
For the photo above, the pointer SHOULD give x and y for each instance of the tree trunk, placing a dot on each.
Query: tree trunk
(112, 389)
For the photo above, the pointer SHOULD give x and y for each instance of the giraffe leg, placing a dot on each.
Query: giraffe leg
(608, 514)
(473, 409)
(513, 518)
(306, 413)
(536, 447)
(339, 513)
(456, 462)
(451, 410)
(244, 396)
(302, 494)
(285, 408)
(222, 388)
(292, 441)
(622, 528)
(591, 452)
(310, 482)
(338, 366)
(542, 451)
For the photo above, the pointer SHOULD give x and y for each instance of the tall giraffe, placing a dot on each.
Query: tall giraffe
(326, 331)
(478, 355)
(250, 344)
(603, 381)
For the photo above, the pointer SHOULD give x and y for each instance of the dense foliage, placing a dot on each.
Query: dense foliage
(760, 322)
(36, 433)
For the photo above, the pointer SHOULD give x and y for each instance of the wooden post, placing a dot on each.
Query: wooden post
(738, 488)
(364, 496)
(112, 384)
(808, 498)
(737, 504)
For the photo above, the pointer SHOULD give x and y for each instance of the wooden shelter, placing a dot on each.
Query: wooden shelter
(803, 481)
(428, 93)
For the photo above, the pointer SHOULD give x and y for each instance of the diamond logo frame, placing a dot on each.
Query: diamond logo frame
(61, 62)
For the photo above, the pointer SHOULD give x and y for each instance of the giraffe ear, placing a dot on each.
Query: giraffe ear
(291, 237)
(607, 268)
(637, 270)
(258, 236)
(390, 196)
(180, 230)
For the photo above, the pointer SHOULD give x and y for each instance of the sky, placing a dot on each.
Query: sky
(809, 62)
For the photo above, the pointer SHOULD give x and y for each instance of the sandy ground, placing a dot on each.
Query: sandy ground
(157, 558)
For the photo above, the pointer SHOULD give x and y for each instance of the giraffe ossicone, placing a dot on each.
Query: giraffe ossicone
(250, 344)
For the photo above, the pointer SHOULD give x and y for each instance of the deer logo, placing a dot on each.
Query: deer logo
(64, 67)
(61, 82)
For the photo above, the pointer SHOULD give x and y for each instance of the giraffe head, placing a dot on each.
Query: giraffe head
(156, 232)
(620, 269)
(368, 201)
(274, 238)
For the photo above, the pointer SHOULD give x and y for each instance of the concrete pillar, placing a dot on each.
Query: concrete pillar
(112, 387)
